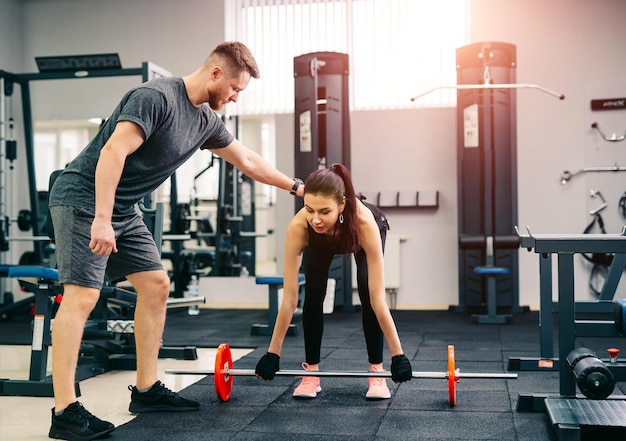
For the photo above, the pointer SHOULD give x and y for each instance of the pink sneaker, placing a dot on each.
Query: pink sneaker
(309, 387)
(378, 389)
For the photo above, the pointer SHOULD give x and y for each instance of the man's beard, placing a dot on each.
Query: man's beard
(215, 103)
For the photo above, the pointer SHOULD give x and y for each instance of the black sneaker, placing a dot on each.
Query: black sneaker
(159, 399)
(78, 424)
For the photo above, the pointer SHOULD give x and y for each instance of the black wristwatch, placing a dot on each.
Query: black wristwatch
(297, 182)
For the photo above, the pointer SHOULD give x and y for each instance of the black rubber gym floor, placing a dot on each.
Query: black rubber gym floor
(417, 410)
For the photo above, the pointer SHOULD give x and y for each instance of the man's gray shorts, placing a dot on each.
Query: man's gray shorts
(136, 249)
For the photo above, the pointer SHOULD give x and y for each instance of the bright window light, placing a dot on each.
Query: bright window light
(397, 48)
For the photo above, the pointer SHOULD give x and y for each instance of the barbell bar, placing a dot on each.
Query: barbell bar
(224, 373)
(385, 374)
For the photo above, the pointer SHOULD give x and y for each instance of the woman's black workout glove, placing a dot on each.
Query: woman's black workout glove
(400, 369)
(267, 366)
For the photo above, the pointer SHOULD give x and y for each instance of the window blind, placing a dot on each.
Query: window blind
(397, 48)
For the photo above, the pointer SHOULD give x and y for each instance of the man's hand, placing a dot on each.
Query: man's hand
(102, 238)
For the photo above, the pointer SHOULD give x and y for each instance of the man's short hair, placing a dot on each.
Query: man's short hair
(236, 57)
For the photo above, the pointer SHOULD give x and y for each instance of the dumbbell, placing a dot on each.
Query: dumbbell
(593, 377)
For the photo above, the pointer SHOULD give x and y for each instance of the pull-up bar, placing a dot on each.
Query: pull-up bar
(493, 86)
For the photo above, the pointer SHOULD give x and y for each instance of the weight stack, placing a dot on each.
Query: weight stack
(322, 134)
(487, 170)
(322, 118)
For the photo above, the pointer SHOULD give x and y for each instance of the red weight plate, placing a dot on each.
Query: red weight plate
(223, 381)
(452, 376)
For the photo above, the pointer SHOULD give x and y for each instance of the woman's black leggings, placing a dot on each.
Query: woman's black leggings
(316, 263)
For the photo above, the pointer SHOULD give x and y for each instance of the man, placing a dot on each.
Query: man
(154, 129)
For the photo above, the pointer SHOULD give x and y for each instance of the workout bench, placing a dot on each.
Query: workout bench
(274, 283)
(8, 305)
(491, 271)
(604, 305)
(570, 414)
(45, 287)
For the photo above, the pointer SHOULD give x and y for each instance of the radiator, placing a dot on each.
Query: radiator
(392, 263)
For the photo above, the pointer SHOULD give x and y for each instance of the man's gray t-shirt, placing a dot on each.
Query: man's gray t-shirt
(173, 128)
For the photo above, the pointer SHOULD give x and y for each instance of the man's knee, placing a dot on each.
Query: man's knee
(152, 283)
(79, 298)
(162, 284)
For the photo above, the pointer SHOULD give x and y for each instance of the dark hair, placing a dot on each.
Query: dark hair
(337, 182)
(236, 57)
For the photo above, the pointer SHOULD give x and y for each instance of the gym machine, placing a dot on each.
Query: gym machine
(234, 233)
(187, 263)
(233, 236)
(612, 269)
(231, 243)
(322, 135)
(594, 377)
(487, 180)
(50, 68)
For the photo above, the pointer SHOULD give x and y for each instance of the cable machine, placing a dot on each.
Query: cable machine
(322, 135)
(487, 179)
(233, 235)
(50, 68)
(487, 175)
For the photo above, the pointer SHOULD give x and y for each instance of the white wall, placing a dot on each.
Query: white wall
(175, 35)
(414, 150)
(11, 31)
(572, 46)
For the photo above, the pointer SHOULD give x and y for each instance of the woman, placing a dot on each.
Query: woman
(334, 221)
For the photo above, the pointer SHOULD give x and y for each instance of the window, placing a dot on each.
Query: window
(55, 148)
(397, 48)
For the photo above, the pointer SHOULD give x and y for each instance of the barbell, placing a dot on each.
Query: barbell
(224, 373)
